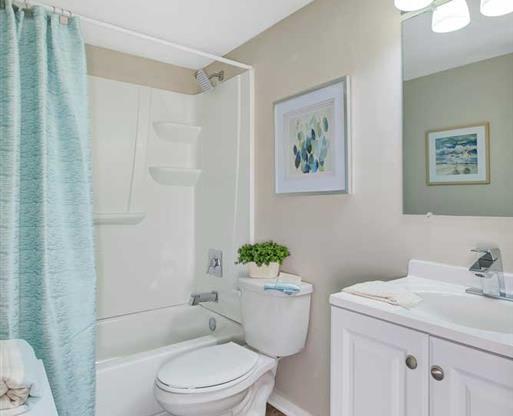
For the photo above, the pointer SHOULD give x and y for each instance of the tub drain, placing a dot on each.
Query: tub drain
(212, 324)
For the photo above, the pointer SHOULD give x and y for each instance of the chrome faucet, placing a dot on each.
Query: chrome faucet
(197, 298)
(488, 267)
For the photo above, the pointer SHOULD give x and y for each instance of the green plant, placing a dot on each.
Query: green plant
(263, 253)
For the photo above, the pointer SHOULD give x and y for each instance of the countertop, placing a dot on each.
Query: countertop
(500, 343)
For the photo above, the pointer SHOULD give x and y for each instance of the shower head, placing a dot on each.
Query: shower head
(205, 81)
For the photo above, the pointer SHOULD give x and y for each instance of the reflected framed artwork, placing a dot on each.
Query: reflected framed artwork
(458, 156)
(312, 145)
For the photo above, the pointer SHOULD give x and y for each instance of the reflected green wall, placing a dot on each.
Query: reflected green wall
(470, 94)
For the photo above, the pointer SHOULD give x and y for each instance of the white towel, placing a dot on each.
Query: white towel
(385, 292)
(20, 374)
(33, 402)
(15, 411)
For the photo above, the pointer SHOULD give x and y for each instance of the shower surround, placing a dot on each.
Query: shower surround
(171, 174)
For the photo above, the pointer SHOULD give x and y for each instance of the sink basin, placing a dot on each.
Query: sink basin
(468, 310)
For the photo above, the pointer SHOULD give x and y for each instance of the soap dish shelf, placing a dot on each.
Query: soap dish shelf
(173, 176)
(119, 218)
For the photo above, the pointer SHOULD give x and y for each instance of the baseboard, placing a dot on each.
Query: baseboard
(286, 406)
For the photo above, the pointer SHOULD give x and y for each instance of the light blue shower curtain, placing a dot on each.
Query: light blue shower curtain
(47, 276)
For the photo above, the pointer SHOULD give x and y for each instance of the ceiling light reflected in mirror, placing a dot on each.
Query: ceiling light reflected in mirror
(495, 8)
(451, 15)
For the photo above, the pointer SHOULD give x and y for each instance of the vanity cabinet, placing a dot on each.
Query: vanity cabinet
(474, 382)
(380, 368)
(368, 371)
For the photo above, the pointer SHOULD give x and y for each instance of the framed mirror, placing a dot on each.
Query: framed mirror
(457, 111)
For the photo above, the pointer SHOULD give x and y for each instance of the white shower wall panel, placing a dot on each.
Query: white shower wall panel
(147, 265)
(158, 262)
(114, 125)
(223, 191)
(169, 106)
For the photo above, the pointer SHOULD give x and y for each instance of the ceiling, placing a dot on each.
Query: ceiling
(214, 26)
(426, 52)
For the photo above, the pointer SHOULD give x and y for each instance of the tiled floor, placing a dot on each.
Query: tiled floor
(271, 411)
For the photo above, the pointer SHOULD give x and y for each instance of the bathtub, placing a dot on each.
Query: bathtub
(131, 349)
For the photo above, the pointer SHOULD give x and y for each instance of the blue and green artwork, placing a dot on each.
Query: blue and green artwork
(310, 142)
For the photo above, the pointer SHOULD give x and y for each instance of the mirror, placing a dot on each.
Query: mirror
(458, 116)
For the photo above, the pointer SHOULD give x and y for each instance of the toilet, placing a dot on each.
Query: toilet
(234, 380)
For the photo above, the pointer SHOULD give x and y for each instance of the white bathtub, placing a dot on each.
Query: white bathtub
(131, 349)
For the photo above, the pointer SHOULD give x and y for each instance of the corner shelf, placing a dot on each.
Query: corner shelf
(176, 132)
(167, 175)
(119, 218)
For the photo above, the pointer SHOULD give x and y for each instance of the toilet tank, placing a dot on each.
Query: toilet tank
(274, 323)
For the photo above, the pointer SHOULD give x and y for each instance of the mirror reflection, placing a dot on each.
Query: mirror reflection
(458, 111)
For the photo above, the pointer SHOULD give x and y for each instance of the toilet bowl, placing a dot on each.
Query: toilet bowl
(225, 379)
(235, 380)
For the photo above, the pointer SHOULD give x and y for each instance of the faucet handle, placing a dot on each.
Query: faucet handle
(194, 299)
(493, 253)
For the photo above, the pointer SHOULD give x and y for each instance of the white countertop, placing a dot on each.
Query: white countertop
(497, 342)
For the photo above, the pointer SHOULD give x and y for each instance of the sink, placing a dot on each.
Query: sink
(468, 310)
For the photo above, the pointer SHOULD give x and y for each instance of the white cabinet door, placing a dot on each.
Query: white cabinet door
(369, 375)
(474, 382)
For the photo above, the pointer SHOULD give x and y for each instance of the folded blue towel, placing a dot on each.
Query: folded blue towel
(287, 288)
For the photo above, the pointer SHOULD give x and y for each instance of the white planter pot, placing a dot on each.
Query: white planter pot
(265, 271)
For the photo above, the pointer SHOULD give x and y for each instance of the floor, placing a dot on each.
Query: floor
(271, 411)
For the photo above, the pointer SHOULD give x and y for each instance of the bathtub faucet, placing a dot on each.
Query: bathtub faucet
(197, 298)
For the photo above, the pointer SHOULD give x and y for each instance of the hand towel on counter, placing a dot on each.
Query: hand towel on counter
(20, 374)
(385, 292)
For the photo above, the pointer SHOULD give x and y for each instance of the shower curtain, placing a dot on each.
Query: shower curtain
(47, 276)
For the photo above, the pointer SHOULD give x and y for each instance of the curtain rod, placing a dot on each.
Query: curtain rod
(141, 35)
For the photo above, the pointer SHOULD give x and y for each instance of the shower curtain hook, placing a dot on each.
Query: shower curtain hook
(27, 8)
(63, 19)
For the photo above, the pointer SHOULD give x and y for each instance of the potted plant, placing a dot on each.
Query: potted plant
(263, 259)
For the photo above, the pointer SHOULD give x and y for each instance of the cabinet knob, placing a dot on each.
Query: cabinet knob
(411, 362)
(437, 373)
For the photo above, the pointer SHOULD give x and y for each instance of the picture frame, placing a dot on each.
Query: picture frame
(312, 140)
(458, 155)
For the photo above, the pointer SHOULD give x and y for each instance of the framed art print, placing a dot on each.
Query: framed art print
(459, 156)
(312, 140)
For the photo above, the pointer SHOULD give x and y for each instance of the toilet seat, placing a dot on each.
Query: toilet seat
(207, 369)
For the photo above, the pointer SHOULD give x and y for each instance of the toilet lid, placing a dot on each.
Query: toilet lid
(207, 367)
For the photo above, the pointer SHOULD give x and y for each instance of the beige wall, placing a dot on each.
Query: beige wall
(468, 95)
(106, 63)
(337, 240)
